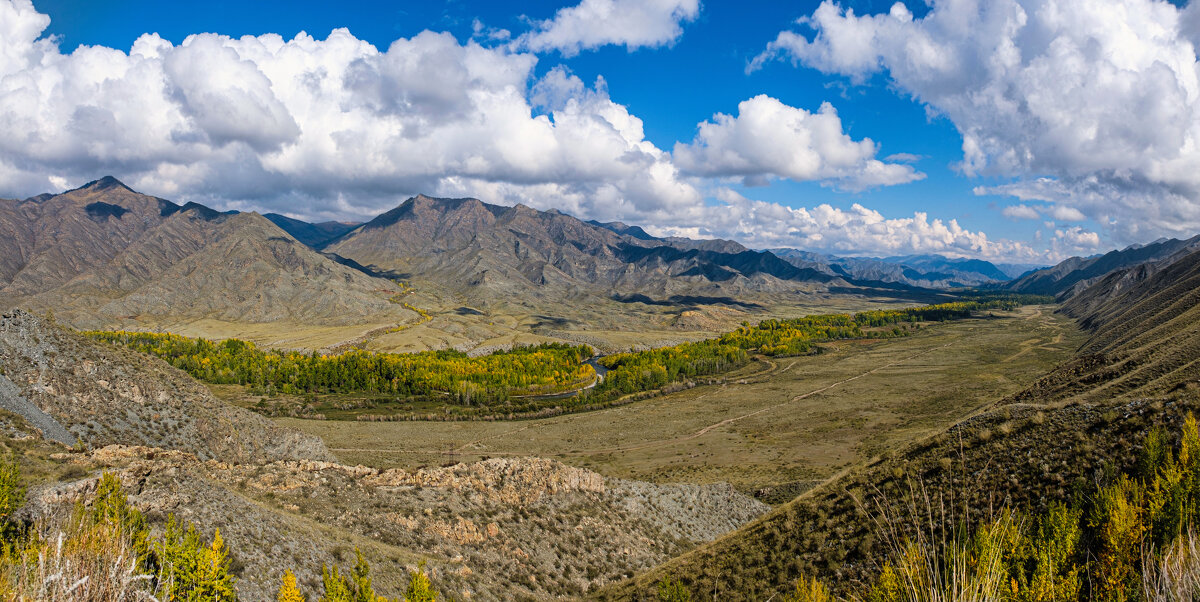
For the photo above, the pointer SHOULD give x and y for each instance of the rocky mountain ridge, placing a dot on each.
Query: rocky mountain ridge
(103, 254)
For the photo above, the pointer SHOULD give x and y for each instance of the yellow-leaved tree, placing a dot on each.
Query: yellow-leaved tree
(289, 591)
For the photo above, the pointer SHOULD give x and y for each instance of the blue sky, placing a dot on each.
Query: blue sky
(1060, 200)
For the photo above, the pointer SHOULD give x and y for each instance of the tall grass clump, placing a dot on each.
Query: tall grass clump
(105, 552)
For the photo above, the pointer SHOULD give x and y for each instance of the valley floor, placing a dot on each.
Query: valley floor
(778, 427)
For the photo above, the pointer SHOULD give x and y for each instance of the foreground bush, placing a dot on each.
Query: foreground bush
(105, 552)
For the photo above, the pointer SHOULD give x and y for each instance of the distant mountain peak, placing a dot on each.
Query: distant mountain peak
(105, 183)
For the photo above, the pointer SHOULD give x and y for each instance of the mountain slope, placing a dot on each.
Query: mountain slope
(1076, 273)
(103, 254)
(1145, 323)
(488, 251)
(924, 271)
(103, 394)
(314, 235)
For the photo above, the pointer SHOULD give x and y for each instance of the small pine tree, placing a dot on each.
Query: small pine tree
(213, 581)
(670, 590)
(420, 588)
(288, 590)
(191, 569)
(360, 578)
(111, 507)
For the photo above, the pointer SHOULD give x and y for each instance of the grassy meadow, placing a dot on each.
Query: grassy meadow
(778, 425)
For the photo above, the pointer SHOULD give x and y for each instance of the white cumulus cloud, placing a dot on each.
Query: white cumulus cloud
(1103, 97)
(594, 23)
(769, 138)
(854, 231)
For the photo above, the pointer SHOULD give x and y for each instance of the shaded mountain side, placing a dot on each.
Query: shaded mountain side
(103, 254)
(921, 271)
(104, 394)
(1076, 273)
(936, 263)
(478, 249)
(314, 235)
(623, 228)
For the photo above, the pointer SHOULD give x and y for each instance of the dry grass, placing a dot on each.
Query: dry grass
(785, 424)
(1176, 575)
(82, 563)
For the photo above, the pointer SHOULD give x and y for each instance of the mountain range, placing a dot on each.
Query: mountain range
(104, 254)
(1078, 273)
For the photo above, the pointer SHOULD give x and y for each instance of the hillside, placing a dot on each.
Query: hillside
(74, 388)
(105, 255)
(499, 529)
(1077, 273)
(1145, 323)
(1048, 442)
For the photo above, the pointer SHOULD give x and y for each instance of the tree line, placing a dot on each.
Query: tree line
(546, 368)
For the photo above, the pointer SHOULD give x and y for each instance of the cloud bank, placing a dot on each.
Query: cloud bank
(1089, 105)
(337, 128)
(769, 138)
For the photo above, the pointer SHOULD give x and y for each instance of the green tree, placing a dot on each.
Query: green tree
(12, 489)
(336, 587)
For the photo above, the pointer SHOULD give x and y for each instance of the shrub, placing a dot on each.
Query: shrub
(670, 590)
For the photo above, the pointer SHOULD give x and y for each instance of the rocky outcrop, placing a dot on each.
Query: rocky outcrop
(496, 529)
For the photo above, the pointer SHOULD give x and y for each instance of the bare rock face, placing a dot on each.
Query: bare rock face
(498, 529)
(103, 394)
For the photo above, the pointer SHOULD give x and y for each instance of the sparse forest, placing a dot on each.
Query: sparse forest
(541, 369)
